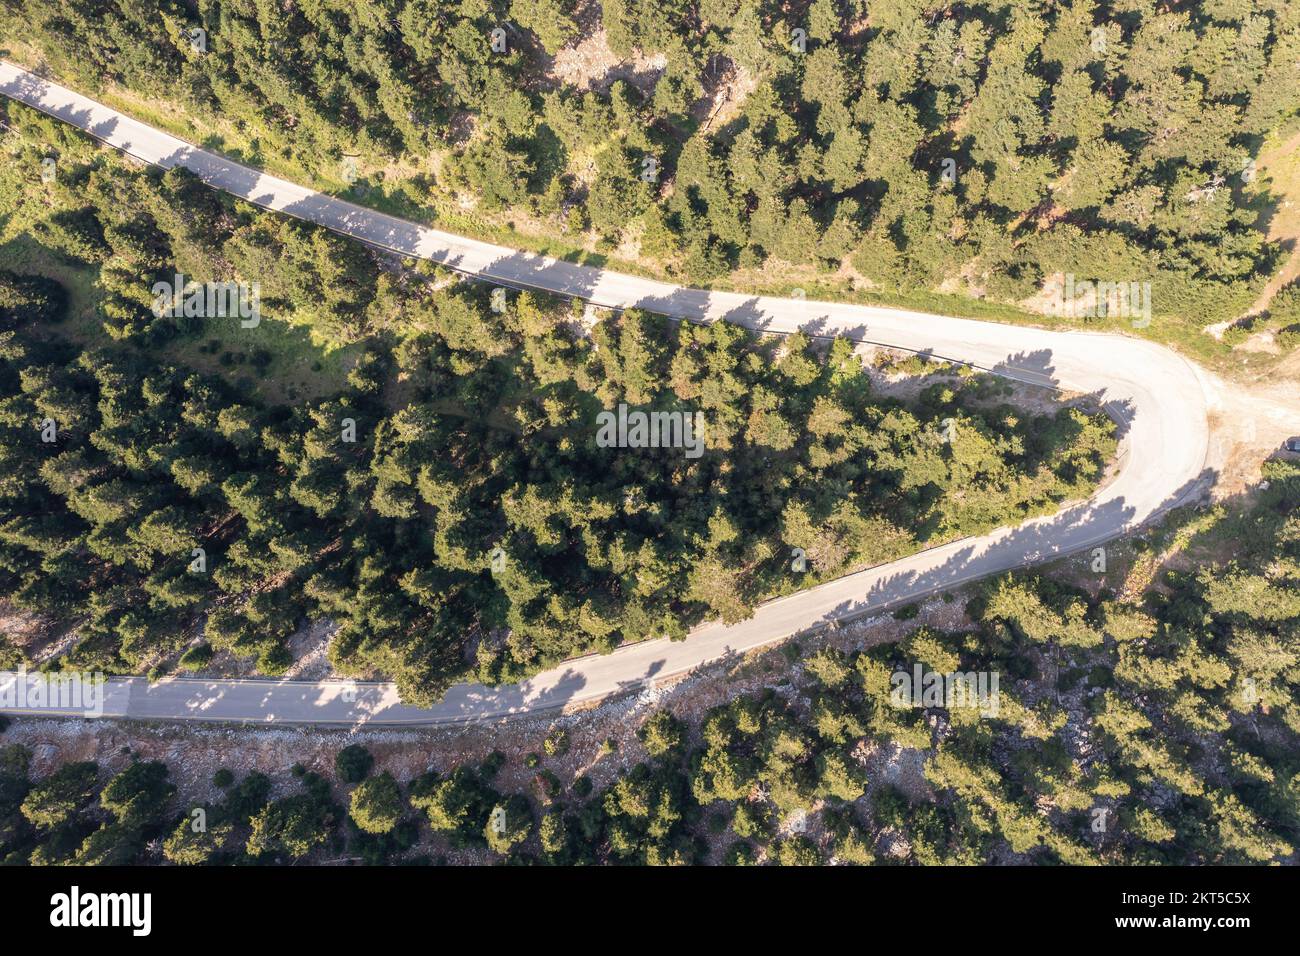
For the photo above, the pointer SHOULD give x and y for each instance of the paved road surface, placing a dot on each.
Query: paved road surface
(1156, 396)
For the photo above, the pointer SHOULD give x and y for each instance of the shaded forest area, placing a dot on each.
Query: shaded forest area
(474, 433)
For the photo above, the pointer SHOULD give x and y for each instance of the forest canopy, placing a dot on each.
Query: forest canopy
(1153, 731)
(447, 505)
(980, 147)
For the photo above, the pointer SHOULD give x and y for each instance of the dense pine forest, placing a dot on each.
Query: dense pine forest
(974, 148)
(1156, 730)
(448, 506)
(413, 458)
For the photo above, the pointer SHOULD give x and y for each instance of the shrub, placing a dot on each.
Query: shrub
(556, 743)
(353, 762)
(197, 657)
(662, 734)
(377, 804)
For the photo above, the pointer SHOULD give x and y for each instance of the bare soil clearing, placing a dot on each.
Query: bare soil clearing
(590, 64)
(1248, 424)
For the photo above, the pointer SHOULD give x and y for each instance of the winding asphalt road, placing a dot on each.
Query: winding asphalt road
(1159, 400)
